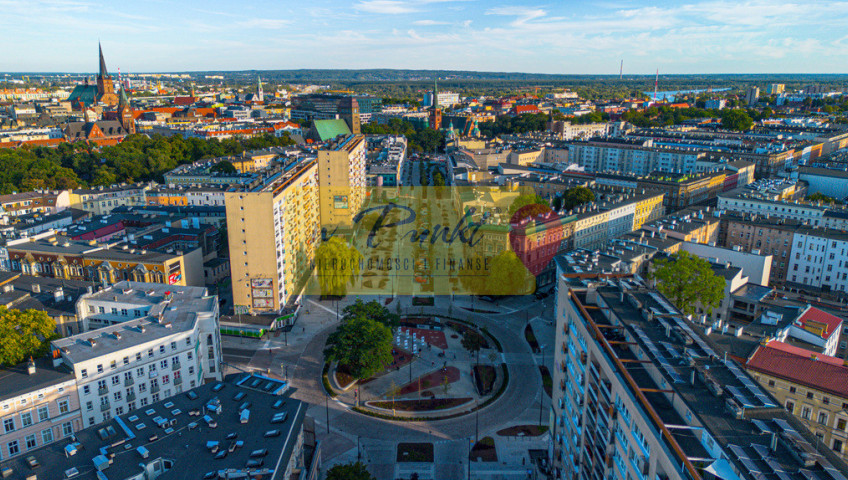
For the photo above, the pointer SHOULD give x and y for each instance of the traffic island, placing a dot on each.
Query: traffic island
(524, 431)
(484, 450)
(415, 452)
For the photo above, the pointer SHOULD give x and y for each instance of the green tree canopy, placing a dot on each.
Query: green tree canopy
(734, 119)
(689, 282)
(338, 265)
(224, 167)
(24, 334)
(372, 310)
(574, 197)
(349, 471)
(362, 345)
(820, 197)
(508, 276)
(525, 199)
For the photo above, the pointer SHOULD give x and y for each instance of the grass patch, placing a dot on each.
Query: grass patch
(524, 431)
(485, 450)
(420, 405)
(531, 338)
(547, 381)
(415, 452)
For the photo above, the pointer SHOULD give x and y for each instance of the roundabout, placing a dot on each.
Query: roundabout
(519, 398)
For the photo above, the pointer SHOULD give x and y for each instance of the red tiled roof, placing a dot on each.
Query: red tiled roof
(526, 109)
(51, 142)
(797, 365)
(814, 314)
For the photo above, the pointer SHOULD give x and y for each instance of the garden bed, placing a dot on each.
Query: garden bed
(419, 405)
(462, 328)
(434, 380)
(484, 378)
(484, 450)
(531, 338)
(415, 452)
(524, 431)
(343, 378)
(423, 301)
(547, 381)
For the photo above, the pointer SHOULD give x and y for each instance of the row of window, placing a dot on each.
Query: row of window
(150, 352)
(27, 419)
(31, 441)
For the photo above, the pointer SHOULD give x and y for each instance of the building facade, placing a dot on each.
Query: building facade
(160, 340)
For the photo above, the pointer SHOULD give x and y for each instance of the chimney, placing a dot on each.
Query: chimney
(31, 367)
(58, 294)
(36, 288)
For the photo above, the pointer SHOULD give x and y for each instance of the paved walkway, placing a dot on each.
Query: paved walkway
(300, 356)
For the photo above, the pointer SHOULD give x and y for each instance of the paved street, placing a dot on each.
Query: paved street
(300, 355)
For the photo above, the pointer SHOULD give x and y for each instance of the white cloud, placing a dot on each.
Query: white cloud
(386, 7)
(269, 23)
(429, 22)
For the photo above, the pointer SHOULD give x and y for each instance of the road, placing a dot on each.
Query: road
(520, 403)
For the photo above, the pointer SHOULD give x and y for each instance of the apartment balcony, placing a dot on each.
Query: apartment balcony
(103, 391)
(104, 407)
(175, 366)
(128, 382)
(178, 380)
(154, 389)
(130, 397)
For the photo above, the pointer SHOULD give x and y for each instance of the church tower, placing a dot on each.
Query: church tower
(105, 88)
(125, 115)
(435, 111)
(260, 96)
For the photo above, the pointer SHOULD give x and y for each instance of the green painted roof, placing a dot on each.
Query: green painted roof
(328, 129)
(86, 93)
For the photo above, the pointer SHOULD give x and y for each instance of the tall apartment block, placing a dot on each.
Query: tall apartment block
(273, 230)
(161, 340)
(641, 393)
(341, 175)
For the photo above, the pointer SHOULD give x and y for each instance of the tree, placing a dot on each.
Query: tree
(438, 180)
(820, 197)
(371, 310)
(689, 282)
(224, 167)
(524, 200)
(508, 276)
(362, 345)
(574, 197)
(735, 119)
(24, 334)
(349, 471)
(473, 342)
(338, 265)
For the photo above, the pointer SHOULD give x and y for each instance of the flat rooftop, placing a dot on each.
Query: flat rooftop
(15, 381)
(182, 443)
(720, 395)
(179, 307)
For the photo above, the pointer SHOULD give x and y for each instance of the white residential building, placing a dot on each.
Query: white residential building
(819, 259)
(160, 340)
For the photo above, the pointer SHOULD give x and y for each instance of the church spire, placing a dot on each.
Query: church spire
(122, 100)
(436, 93)
(103, 71)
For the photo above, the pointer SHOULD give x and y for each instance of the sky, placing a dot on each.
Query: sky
(562, 37)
